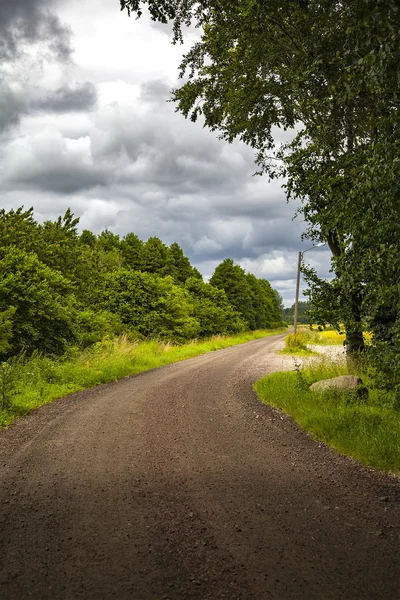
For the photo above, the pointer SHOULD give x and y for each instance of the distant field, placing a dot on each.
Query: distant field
(329, 336)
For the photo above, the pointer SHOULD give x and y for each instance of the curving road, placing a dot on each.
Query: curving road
(178, 484)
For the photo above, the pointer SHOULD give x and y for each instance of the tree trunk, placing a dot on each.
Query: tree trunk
(354, 342)
(354, 337)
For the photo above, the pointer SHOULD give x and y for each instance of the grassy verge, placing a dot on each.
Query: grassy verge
(28, 384)
(368, 430)
(299, 344)
(296, 344)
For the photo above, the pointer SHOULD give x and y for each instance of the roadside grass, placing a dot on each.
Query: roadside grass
(299, 344)
(27, 383)
(367, 430)
(296, 344)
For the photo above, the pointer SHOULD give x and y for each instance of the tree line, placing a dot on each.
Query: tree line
(61, 288)
(327, 71)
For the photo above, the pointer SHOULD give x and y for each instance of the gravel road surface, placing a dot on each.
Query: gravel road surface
(177, 484)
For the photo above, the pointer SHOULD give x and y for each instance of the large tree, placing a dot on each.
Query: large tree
(328, 70)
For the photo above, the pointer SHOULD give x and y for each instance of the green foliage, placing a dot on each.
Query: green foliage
(304, 307)
(61, 291)
(132, 250)
(108, 241)
(18, 228)
(232, 279)
(152, 305)
(10, 375)
(94, 326)
(87, 238)
(264, 302)
(181, 269)
(6, 330)
(259, 66)
(155, 257)
(43, 302)
(279, 304)
(212, 309)
(252, 298)
(296, 344)
(59, 245)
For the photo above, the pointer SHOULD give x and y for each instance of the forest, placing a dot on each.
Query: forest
(61, 289)
(304, 309)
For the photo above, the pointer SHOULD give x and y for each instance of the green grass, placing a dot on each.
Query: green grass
(367, 430)
(296, 344)
(28, 384)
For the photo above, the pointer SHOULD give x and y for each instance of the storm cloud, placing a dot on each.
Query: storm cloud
(24, 22)
(32, 36)
(80, 97)
(94, 130)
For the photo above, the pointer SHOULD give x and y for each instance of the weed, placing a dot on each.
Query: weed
(301, 380)
(296, 344)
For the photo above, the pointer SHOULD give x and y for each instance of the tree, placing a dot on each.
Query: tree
(279, 303)
(232, 279)
(155, 257)
(181, 269)
(6, 331)
(88, 238)
(18, 228)
(43, 304)
(132, 251)
(213, 310)
(266, 312)
(302, 317)
(59, 245)
(108, 241)
(260, 65)
(150, 304)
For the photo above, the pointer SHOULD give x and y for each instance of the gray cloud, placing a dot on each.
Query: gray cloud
(30, 21)
(11, 106)
(128, 162)
(81, 98)
(30, 34)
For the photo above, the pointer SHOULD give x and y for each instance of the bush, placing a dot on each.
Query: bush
(42, 300)
(152, 305)
(297, 341)
(93, 326)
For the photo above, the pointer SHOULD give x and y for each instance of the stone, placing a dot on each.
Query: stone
(344, 383)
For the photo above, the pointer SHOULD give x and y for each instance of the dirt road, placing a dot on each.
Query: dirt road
(178, 484)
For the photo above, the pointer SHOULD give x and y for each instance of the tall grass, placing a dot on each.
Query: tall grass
(297, 343)
(365, 429)
(26, 384)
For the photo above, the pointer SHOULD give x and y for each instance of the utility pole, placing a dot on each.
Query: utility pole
(296, 304)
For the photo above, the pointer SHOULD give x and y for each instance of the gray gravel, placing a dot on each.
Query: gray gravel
(178, 484)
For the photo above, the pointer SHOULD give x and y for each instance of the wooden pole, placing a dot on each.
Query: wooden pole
(296, 304)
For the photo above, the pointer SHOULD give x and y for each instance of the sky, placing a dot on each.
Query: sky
(85, 123)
